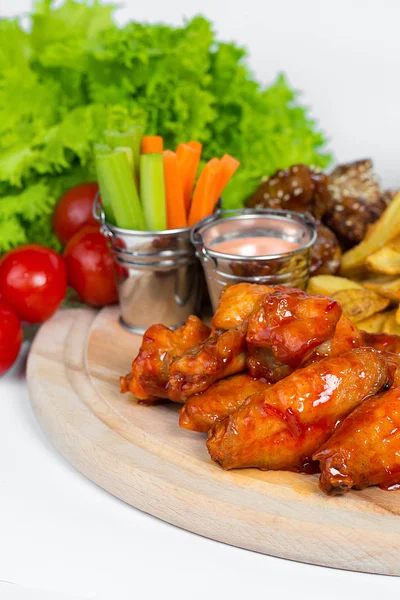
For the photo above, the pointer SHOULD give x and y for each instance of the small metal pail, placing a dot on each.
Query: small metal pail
(289, 269)
(157, 274)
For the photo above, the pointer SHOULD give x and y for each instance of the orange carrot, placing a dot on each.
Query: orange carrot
(196, 146)
(176, 211)
(152, 143)
(206, 188)
(229, 166)
(188, 159)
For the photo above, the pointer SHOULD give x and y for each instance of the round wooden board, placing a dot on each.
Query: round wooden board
(140, 455)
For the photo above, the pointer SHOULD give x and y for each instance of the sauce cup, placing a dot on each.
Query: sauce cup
(228, 245)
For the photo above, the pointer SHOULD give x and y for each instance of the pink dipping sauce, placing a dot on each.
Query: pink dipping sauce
(255, 246)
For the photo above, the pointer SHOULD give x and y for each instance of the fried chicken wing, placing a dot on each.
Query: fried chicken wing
(283, 426)
(150, 369)
(387, 342)
(288, 326)
(201, 411)
(221, 355)
(236, 304)
(347, 337)
(365, 449)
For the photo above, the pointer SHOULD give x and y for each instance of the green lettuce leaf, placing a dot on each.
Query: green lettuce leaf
(75, 73)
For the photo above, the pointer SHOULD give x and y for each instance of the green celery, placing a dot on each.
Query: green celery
(117, 189)
(132, 138)
(128, 153)
(152, 191)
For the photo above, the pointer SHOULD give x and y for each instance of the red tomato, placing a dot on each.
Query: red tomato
(74, 211)
(10, 337)
(90, 268)
(33, 282)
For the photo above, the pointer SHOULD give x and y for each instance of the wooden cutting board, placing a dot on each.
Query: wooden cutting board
(140, 455)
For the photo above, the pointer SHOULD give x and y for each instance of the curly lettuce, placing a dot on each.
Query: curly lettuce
(75, 73)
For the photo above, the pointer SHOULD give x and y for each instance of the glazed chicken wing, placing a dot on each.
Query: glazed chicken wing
(387, 342)
(347, 337)
(365, 449)
(221, 355)
(221, 399)
(283, 426)
(288, 326)
(224, 352)
(236, 304)
(150, 369)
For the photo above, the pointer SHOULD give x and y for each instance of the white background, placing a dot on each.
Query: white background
(61, 533)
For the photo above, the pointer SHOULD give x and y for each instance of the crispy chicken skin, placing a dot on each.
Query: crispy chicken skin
(221, 355)
(221, 399)
(236, 304)
(365, 449)
(288, 326)
(283, 426)
(150, 369)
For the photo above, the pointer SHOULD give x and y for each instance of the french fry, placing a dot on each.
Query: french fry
(390, 325)
(398, 315)
(386, 229)
(330, 284)
(385, 285)
(386, 261)
(359, 304)
(373, 324)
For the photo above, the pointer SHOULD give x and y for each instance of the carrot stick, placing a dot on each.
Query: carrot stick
(188, 159)
(176, 211)
(196, 146)
(229, 166)
(152, 143)
(205, 189)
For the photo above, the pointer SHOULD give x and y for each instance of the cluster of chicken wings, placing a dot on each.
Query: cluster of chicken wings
(282, 380)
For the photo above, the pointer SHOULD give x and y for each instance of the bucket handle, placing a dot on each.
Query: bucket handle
(100, 216)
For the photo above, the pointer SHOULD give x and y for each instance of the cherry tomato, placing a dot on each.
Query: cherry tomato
(74, 211)
(90, 268)
(33, 282)
(10, 337)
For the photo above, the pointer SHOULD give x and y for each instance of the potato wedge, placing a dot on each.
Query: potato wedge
(386, 260)
(387, 228)
(360, 304)
(390, 325)
(330, 284)
(395, 244)
(373, 324)
(385, 285)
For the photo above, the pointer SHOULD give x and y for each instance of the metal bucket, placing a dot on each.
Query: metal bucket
(289, 269)
(157, 274)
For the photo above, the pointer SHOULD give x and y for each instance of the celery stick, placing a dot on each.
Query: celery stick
(118, 191)
(152, 191)
(132, 138)
(128, 152)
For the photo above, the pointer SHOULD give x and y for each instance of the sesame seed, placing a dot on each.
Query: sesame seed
(279, 193)
(348, 223)
(295, 183)
(286, 197)
(273, 181)
(298, 191)
(264, 178)
(295, 169)
(339, 208)
(266, 196)
(281, 174)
